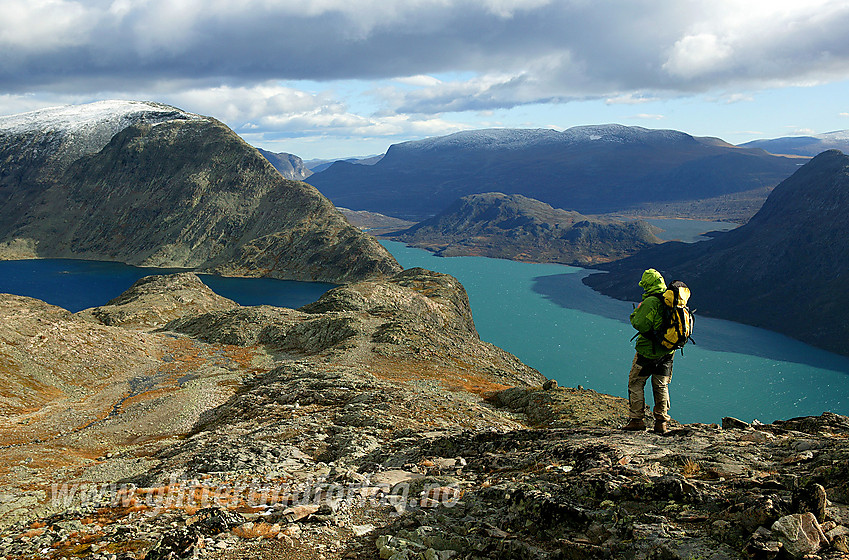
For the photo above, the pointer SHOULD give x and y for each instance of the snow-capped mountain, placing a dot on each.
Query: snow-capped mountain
(521, 139)
(108, 116)
(63, 134)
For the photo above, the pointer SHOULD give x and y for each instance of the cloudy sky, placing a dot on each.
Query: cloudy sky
(334, 78)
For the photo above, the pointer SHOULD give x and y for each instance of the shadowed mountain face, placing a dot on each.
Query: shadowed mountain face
(786, 270)
(150, 185)
(520, 228)
(590, 169)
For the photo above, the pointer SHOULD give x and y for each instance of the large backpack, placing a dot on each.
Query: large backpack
(678, 321)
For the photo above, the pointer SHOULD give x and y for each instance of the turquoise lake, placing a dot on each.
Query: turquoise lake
(688, 231)
(547, 317)
(543, 314)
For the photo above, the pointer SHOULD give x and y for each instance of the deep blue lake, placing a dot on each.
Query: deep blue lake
(77, 285)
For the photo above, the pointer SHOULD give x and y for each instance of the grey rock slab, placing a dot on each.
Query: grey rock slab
(800, 533)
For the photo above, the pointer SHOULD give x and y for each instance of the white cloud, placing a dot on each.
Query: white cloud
(762, 44)
(508, 8)
(419, 81)
(272, 115)
(43, 25)
(257, 103)
(322, 122)
(551, 50)
(11, 104)
(738, 98)
(695, 55)
(424, 58)
(802, 131)
(633, 98)
(269, 110)
(483, 92)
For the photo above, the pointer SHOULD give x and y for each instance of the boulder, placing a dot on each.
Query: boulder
(800, 534)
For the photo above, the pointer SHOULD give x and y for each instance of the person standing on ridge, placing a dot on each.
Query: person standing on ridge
(651, 359)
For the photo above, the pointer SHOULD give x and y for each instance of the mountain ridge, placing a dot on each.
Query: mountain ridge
(316, 165)
(805, 146)
(289, 165)
(182, 192)
(589, 169)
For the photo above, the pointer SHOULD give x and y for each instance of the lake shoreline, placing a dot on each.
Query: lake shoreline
(548, 318)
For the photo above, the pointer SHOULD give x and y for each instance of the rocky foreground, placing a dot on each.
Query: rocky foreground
(173, 423)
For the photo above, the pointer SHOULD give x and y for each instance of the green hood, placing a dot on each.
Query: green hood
(652, 282)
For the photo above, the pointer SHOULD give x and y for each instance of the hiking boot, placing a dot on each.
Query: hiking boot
(660, 427)
(634, 425)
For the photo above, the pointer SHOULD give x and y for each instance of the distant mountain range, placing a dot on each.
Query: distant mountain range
(151, 185)
(589, 169)
(804, 145)
(520, 228)
(785, 270)
(290, 166)
(317, 165)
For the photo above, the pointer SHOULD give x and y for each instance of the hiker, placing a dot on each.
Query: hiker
(652, 359)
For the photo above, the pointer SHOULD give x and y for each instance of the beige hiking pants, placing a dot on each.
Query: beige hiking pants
(660, 372)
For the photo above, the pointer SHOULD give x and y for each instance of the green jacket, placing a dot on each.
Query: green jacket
(648, 316)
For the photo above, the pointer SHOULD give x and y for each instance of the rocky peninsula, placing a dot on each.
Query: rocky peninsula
(373, 423)
(516, 227)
